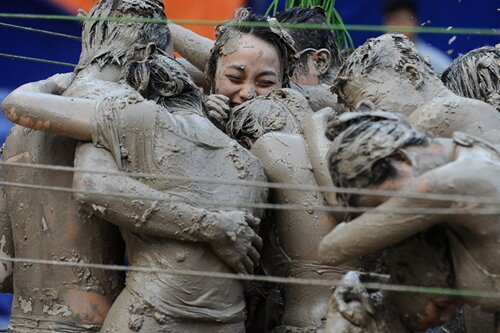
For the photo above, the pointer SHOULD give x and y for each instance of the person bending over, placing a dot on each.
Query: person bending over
(389, 72)
(381, 151)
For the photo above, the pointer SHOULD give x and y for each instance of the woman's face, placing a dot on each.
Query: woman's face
(252, 69)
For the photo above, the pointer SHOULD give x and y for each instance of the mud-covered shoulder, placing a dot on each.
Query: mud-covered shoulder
(469, 175)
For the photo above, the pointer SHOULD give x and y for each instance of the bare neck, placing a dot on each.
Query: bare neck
(111, 73)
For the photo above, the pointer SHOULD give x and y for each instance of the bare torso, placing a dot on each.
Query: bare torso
(52, 225)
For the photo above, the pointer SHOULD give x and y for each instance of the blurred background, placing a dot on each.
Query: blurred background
(438, 13)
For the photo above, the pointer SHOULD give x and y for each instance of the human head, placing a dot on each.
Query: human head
(281, 111)
(365, 147)
(162, 79)
(114, 42)
(401, 13)
(388, 71)
(423, 260)
(318, 50)
(476, 75)
(251, 56)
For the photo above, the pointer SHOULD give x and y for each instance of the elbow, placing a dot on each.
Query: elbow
(83, 186)
(329, 253)
(10, 109)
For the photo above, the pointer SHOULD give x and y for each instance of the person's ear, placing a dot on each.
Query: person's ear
(413, 74)
(322, 60)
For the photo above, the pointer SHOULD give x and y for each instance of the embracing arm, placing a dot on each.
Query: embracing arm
(36, 105)
(195, 48)
(229, 233)
(377, 230)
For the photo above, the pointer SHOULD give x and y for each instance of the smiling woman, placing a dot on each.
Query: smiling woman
(252, 56)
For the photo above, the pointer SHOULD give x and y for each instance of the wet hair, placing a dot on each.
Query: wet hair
(112, 42)
(387, 51)
(363, 145)
(311, 38)
(266, 29)
(392, 6)
(163, 80)
(476, 75)
(284, 110)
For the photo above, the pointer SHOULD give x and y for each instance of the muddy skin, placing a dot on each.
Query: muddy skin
(174, 139)
(319, 97)
(70, 299)
(314, 128)
(193, 47)
(476, 75)
(179, 144)
(283, 153)
(389, 72)
(464, 165)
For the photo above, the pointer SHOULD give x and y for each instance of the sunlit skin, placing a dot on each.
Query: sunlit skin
(253, 69)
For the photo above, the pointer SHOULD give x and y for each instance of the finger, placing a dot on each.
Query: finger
(223, 105)
(248, 264)
(257, 242)
(241, 269)
(215, 116)
(252, 220)
(254, 254)
(212, 106)
(221, 97)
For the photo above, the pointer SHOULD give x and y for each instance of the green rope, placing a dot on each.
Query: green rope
(350, 27)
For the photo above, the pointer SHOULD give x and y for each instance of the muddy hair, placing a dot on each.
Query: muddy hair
(266, 29)
(311, 38)
(387, 51)
(284, 110)
(364, 144)
(114, 42)
(163, 80)
(476, 75)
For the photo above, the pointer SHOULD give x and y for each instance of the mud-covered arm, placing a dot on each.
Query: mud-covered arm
(38, 106)
(229, 233)
(6, 246)
(195, 48)
(379, 228)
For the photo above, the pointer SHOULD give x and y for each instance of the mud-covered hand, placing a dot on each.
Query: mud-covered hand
(57, 84)
(217, 108)
(353, 301)
(236, 242)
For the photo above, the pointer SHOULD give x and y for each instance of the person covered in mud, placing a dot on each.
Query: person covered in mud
(317, 49)
(271, 127)
(196, 237)
(52, 225)
(318, 55)
(381, 151)
(389, 72)
(245, 62)
(317, 68)
(476, 75)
